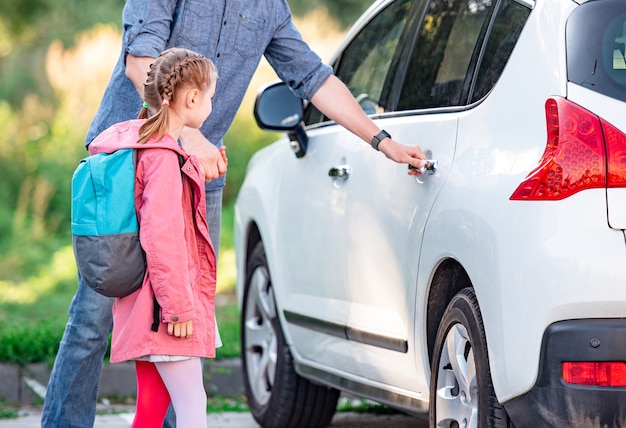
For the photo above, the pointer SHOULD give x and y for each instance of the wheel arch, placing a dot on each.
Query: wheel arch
(249, 237)
(253, 237)
(449, 278)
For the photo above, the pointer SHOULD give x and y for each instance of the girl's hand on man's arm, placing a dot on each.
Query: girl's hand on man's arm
(213, 161)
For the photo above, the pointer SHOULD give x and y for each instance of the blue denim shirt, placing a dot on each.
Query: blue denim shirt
(234, 34)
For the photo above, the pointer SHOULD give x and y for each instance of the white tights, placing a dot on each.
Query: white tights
(183, 380)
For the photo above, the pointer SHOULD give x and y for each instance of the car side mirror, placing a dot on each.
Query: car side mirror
(277, 108)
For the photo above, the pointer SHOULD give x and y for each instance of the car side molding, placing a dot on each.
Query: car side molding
(397, 344)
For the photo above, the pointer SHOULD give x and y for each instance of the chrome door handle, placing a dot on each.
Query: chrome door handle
(430, 167)
(340, 171)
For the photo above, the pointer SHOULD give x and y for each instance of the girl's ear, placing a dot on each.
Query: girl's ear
(192, 97)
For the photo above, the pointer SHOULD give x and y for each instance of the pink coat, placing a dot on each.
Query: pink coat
(181, 268)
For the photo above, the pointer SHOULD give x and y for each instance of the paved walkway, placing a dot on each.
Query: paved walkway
(123, 420)
(223, 376)
(31, 418)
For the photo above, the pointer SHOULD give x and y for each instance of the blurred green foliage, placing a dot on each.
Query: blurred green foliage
(8, 411)
(228, 324)
(27, 27)
(47, 20)
(344, 11)
(30, 343)
(38, 341)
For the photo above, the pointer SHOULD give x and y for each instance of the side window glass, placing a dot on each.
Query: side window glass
(446, 50)
(365, 62)
(506, 29)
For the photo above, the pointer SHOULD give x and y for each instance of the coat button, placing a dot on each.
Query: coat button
(175, 319)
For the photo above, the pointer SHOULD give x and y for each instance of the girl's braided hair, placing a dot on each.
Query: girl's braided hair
(174, 69)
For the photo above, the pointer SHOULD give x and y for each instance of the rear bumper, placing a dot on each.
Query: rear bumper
(552, 402)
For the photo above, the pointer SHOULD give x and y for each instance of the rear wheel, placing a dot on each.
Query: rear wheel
(461, 390)
(277, 396)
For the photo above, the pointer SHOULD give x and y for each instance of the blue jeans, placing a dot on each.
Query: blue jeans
(73, 387)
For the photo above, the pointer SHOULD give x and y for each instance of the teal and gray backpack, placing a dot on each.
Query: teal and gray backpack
(105, 231)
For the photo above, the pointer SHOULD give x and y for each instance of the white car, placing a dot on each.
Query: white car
(490, 291)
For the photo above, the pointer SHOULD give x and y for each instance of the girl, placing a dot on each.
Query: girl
(167, 325)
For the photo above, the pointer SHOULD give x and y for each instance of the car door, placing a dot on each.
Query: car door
(310, 244)
(387, 209)
(313, 234)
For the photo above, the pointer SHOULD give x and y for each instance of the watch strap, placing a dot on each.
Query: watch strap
(378, 138)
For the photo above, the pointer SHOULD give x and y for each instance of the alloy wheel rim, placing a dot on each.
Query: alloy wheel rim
(260, 336)
(457, 390)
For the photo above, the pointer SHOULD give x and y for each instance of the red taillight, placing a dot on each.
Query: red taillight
(574, 158)
(616, 154)
(596, 373)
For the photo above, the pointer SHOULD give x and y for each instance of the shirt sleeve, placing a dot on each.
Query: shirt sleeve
(147, 26)
(292, 58)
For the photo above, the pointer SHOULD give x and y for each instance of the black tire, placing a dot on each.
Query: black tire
(461, 390)
(277, 396)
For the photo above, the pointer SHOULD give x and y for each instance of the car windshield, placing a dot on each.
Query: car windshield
(596, 47)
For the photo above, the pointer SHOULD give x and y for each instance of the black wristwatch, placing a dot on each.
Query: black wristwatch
(378, 138)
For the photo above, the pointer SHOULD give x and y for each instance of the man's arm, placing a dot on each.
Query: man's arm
(336, 102)
(137, 68)
(212, 162)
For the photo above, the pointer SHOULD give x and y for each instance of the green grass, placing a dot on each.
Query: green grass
(7, 411)
(33, 307)
(220, 403)
(228, 324)
(361, 405)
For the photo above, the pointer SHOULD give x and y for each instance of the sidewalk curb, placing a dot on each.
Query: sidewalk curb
(26, 384)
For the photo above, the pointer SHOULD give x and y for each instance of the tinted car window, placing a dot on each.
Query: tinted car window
(445, 50)
(596, 41)
(504, 33)
(365, 63)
